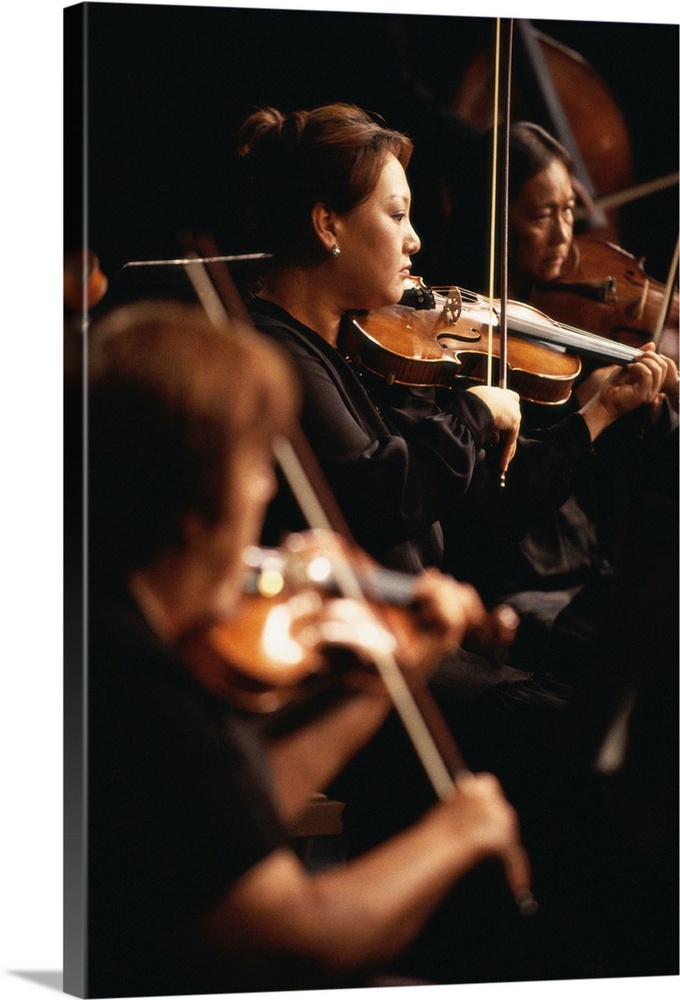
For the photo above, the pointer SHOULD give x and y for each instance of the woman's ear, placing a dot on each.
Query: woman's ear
(323, 222)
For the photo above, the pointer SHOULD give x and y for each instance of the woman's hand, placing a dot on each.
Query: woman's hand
(482, 819)
(438, 613)
(625, 389)
(507, 417)
(446, 611)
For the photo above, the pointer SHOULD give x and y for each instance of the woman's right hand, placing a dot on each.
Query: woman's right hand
(507, 417)
(449, 611)
(480, 817)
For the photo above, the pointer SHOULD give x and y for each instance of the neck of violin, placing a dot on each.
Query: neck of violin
(569, 338)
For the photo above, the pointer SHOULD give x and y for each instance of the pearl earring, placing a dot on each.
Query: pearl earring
(335, 250)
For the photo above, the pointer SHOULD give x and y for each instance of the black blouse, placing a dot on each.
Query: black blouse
(404, 469)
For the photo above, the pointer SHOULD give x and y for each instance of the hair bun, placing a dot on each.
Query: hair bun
(260, 125)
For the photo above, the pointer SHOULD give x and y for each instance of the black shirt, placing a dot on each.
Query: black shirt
(402, 467)
(178, 804)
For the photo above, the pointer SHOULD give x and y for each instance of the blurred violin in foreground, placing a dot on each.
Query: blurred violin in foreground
(85, 283)
(293, 625)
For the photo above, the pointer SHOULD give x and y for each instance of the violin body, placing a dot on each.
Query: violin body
(454, 340)
(297, 629)
(605, 290)
(273, 649)
(253, 660)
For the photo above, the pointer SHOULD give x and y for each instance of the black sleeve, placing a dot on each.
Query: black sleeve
(491, 519)
(390, 487)
(552, 457)
(178, 786)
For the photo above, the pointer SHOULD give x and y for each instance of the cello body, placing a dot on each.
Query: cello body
(584, 115)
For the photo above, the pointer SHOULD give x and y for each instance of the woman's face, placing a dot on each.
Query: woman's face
(541, 225)
(376, 241)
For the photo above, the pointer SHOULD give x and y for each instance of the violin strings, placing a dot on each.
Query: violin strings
(560, 335)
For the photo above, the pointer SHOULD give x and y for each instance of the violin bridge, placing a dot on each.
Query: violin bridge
(453, 306)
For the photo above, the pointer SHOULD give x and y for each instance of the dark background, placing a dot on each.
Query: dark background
(156, 113)
(167, 88)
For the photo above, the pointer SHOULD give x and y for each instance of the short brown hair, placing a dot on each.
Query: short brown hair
(332, 154)
(169, 399)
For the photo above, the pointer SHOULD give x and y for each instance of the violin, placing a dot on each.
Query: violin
(606, 290)
(442, 338)
(85, 283)
(431, 339)
(272, 651)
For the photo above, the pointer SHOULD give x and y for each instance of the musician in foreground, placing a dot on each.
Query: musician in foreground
(193, 883)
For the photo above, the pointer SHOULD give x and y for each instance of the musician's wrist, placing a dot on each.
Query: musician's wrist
(597, 416)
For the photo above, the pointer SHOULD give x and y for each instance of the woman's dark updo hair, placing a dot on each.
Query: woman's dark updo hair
(332, 154)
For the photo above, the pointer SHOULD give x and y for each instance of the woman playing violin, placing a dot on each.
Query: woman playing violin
(572, 276)
(330, 201)
(565, 555)
(193, 885)
(566, 275)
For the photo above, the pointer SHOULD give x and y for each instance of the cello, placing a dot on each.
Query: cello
(556, 87)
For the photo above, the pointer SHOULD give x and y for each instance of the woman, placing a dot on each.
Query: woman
(541, 203)
(330, 201)
(192, 882)
(562, 566)
(543, 194)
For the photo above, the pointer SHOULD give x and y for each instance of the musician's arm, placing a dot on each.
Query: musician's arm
(306, 759)
(277, 917)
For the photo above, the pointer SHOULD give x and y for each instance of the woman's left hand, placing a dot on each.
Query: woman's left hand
(638, 383)
(625, 389)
